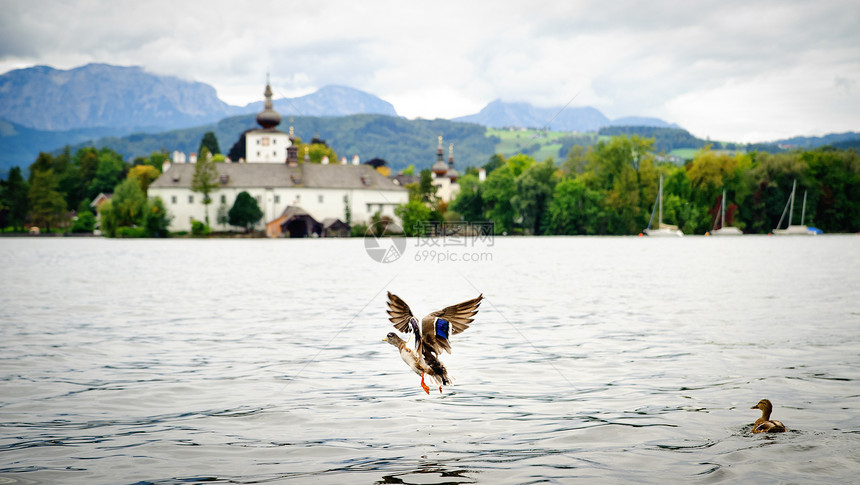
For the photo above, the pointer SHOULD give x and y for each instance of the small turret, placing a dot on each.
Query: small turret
(440, 168)
(451, 173)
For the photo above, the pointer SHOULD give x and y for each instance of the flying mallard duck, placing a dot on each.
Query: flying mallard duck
(431, 338)
(764, 424)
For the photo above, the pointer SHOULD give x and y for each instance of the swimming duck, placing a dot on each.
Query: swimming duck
(431, 337)
(764, 424)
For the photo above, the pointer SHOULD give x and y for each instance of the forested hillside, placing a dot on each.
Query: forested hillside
(399, 141)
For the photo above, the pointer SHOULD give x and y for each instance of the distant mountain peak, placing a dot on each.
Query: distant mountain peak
(130, 97)
(504, 114)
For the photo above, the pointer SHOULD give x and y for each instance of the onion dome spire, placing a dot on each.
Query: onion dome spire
(440, 168)
(452, 173)
(268, 118)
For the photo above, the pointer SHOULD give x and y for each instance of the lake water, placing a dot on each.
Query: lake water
(600, 360)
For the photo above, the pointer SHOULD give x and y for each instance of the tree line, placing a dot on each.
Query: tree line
(610, 188)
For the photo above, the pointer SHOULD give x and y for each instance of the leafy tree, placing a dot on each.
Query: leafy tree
(128, 204)
(495, 161)
(14, 197)
(245, 212)
(109, 172)
(156, 160)
(107, 220)
(469, 202)
(205, 179)
(576, 161)
(210, 143)
(84, 222)
(837, 190)
(624, 169)
(575, 210)
(498, 191)
(534, 190)
(413, 214)
(316, 152)
(70, 182)
(157, 218)
(423, 190)
(199, 228)
(144, 175)
(87, 161)
(47, 205)
(772, 177)
(43, 163)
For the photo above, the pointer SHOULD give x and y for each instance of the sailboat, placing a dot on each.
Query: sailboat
(795, 230)
(723, 230)
(662, 229)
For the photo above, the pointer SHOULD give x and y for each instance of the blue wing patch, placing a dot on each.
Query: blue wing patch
(442, 328)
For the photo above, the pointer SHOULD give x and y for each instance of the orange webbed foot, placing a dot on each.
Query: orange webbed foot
(424, 386)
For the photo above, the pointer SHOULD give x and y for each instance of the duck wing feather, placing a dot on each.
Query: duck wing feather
(438, 326)
(399, 314)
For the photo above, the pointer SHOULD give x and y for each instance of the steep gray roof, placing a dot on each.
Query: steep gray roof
(272, 175)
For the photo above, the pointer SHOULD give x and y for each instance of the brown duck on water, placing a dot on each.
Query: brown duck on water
(431, 337)
(764, 424)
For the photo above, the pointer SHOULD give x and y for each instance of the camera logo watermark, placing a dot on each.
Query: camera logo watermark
(436, 242)
(453, 242)
(384, 248)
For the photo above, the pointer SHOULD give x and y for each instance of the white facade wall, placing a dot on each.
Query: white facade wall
(266, 147)
(445, 189)
(321, 203)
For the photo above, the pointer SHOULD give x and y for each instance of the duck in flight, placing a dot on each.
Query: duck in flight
(431, 336)
(764, 424)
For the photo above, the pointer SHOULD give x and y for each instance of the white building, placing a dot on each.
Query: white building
(272, 175)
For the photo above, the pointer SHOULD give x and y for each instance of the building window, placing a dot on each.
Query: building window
(223, 199)
(320, 198)
(298, 198)
(277, 199)
(258, 154)
(258, 141)
(369, 210)
(190, 199)
(265, 141)
(258, 199)
(275, 154)
(172, 199)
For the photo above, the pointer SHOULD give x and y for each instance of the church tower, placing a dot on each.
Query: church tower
(267, 144)
(440, 168)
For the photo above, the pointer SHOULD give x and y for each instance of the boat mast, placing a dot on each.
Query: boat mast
(660, 198)
(723, 211)
(803, 211)
(793, 185)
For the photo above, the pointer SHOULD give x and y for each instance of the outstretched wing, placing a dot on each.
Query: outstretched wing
(399, 314)
(438, 326)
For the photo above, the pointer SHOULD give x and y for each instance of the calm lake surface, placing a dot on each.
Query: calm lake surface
(600, 360)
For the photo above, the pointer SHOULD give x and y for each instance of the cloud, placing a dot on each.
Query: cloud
(694, 63)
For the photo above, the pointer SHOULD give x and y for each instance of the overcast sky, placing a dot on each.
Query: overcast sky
(736, 71)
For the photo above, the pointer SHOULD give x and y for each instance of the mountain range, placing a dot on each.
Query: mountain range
(44, 109)
(500, 114)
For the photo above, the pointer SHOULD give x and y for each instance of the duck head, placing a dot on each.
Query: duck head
(764, 405)
(393, 339)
